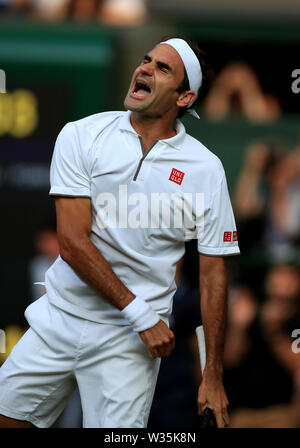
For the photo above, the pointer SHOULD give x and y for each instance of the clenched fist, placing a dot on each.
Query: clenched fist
(160, 340)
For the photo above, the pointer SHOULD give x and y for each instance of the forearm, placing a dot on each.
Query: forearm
(76, 249)
(90, 265)
(213, 288)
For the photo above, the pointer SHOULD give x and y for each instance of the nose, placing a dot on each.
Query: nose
(147, 68)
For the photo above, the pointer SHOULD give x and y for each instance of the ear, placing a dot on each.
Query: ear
(185, 98)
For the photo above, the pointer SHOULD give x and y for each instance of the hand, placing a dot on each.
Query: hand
(211, 394)
(160, 340)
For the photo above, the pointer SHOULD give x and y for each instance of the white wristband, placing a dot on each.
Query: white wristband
(140, 315)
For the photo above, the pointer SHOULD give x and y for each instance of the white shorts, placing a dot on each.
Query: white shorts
(115, 375)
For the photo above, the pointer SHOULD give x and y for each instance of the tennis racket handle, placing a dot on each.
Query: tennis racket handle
(201, 346)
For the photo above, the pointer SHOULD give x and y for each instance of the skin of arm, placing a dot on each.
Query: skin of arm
(76, 249)
(213, 290)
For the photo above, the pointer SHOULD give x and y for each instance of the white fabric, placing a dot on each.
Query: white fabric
(220, 217)
(99, 153)
(192, 67)
(193, 112)
(140, 315)
(116, 376)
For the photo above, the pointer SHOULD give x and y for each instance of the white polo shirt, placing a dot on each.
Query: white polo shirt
(144, 208)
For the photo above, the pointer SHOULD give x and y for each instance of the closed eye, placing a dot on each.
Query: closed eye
(163, 67)
(146, 59)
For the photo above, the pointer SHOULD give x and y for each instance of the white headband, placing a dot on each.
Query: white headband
(192, 67)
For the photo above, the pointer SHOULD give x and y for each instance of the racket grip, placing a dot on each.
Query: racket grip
(208, 419)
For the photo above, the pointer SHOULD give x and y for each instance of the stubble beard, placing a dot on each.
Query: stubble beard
(141, 109)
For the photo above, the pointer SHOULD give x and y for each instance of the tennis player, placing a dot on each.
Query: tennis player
(122, 182)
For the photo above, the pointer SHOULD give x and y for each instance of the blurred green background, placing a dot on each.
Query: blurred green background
(63, 69)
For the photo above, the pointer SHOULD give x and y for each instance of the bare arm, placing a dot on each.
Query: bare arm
(76, 248)
(213, 289)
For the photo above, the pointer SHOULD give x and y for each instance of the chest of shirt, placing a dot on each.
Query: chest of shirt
(157, 189)
(120, 160)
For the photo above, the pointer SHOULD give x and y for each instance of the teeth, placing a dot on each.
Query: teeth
(140, 83)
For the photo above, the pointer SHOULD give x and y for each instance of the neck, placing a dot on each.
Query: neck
(152, 129)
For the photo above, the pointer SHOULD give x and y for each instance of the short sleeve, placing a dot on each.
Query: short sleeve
(69, 173)
(219, 236)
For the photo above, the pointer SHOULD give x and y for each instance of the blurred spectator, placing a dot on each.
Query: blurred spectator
(84, 10)
(123, 12)
(20, 7)
(4, 5)
(250, 195)
(237, 90)
(243, 308)
(41, 9)
(283, 207)
(108, 12)
(260, 367)
(251, 192)
(266, 199)
(280, 314)
(50, 10)
(47, 248)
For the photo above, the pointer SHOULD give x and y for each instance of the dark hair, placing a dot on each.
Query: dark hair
(207, 72)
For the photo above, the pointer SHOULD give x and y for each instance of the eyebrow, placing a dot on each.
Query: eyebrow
(160, 64)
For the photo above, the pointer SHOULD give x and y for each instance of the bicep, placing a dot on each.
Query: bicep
(74, 218)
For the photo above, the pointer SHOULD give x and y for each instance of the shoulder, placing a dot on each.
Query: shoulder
(89, 127)
(86, 129)
(80, 135)
(98, 121)
(200, 154)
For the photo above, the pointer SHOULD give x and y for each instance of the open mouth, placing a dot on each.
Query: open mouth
(140, 89)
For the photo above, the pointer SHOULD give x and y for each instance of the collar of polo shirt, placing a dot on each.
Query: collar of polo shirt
(176, 141)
